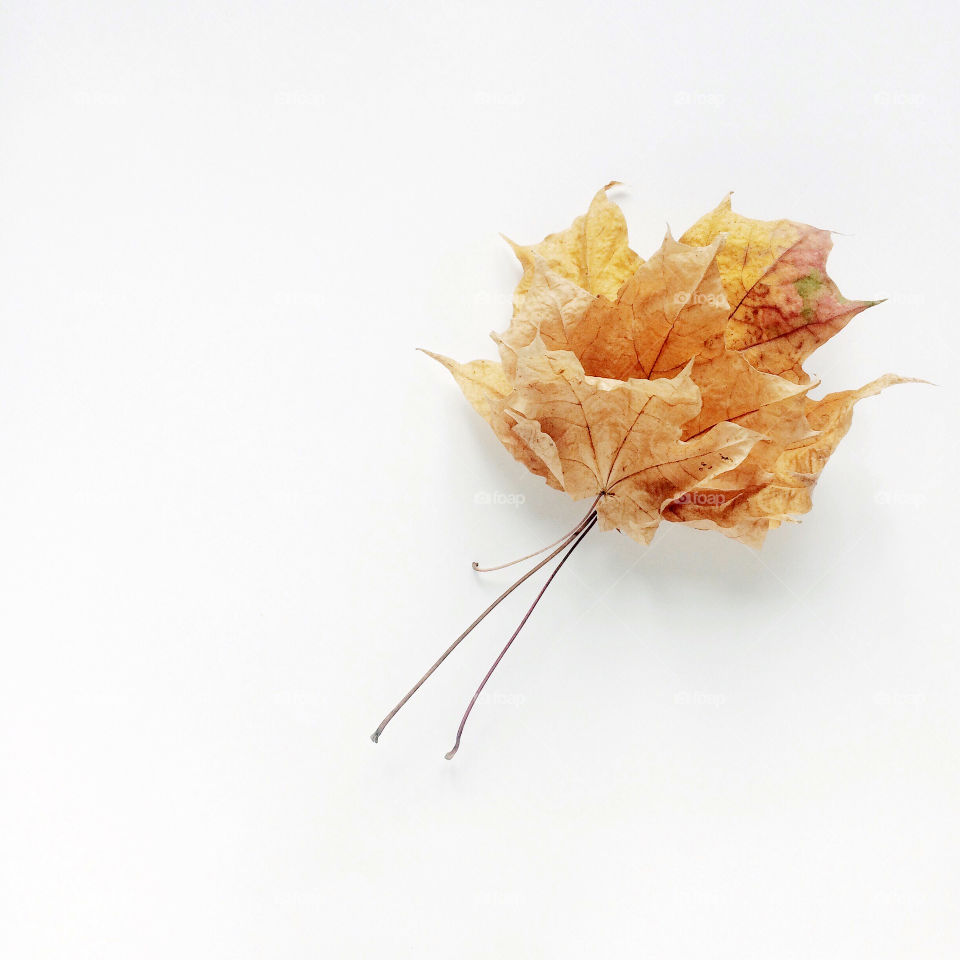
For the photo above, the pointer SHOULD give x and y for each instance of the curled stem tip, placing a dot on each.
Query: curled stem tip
(375, 736)
(586, 527)
(564, 539)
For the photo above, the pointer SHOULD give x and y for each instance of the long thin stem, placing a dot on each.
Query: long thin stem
(375, 736)
(565, 538)
(592, 520)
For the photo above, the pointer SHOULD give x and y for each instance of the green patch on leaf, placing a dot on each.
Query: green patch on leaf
(807, 287)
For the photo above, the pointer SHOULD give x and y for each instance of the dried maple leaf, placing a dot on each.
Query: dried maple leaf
(672, 311)
(746, 512)
(782, 303)
(619, 440)
(592, 251)
(485, 385)
(671, 389)
(549, 303)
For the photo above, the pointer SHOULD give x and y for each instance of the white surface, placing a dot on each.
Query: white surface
(237, 510)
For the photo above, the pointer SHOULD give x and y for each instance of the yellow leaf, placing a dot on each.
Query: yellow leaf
(485, 385)
(748, 511)
(550, 304)
(782, 303)
(617, 439)
(671, 310)
(673, 388)
(592, 252)
(668, 390)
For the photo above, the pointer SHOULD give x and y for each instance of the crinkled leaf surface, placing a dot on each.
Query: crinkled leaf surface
(592, 252)
(671, 310)
(782, 303)
(619, 438)
(672, 389)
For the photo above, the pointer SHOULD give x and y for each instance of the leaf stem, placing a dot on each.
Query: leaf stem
(591, 520)
(375, 736)
(566, 537)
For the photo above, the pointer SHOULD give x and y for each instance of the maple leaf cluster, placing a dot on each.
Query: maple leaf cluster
(671, 389)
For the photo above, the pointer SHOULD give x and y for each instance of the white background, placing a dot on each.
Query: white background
(238, 510)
